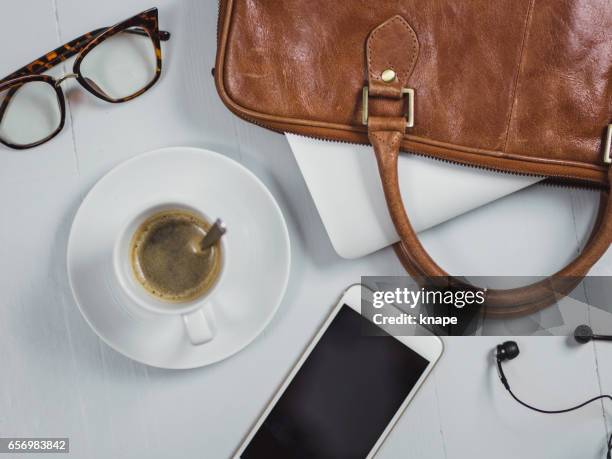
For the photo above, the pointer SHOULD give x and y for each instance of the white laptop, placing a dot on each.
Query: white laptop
(349, 197)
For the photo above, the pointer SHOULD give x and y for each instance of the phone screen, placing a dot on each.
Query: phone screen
(344, 395)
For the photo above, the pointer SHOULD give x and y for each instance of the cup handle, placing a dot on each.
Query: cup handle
(198, 327)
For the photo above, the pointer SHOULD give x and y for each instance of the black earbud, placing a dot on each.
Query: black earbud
(507, 351)
(584, 334)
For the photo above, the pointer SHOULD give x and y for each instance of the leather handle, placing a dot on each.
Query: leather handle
(419, 264)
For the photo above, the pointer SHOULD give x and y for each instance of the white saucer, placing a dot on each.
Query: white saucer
(258, 255)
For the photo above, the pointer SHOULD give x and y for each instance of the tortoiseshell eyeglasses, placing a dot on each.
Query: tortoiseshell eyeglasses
(116, 64)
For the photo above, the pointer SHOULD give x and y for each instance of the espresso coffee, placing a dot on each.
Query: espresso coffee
(167, 260)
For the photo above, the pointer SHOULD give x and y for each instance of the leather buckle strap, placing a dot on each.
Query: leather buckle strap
(408, 92)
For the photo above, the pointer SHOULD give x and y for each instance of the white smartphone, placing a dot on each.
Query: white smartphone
(347, 390)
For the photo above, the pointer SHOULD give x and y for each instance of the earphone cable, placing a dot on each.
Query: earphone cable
(504, 381)
(567, 410)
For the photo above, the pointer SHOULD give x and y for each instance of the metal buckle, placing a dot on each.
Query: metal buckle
(409, 110)
(608, 143)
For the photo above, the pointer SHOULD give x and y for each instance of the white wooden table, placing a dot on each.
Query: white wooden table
(58, 379)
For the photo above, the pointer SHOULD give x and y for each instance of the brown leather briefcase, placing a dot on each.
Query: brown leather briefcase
(521, 86)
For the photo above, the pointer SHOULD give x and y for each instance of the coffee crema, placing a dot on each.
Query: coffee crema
(166, 258)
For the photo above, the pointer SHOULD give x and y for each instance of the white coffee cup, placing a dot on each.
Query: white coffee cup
(199, 328)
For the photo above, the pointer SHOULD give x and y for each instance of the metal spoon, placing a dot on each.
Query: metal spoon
(215, 232)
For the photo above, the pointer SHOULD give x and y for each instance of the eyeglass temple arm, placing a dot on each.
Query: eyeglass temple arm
(58, 55)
